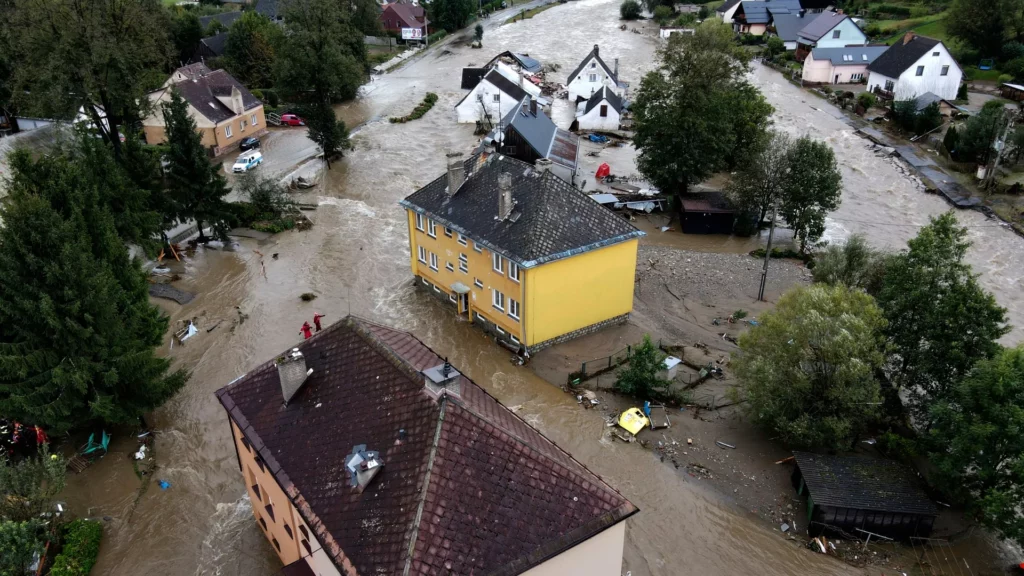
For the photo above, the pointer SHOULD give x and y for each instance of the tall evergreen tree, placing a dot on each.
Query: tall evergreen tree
(77, 331)
(326, 130)
(253, 41)
(195, 185)
(101, 54)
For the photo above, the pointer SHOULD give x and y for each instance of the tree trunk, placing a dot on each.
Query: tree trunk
(202, 237)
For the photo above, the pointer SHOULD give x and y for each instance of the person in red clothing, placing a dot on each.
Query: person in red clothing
(316, 320)
(307, 330)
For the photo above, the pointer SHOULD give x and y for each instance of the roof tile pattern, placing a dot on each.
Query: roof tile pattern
(555, 220)
(202, 91)
(493, 493)
(863, 483)
(902, 55)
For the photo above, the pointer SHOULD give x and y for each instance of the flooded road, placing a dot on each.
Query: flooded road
(355, 259)
(888, 208)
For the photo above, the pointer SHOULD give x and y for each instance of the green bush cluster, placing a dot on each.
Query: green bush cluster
(274, 226)
(81, 547)
(630, 10)
(889, 12)
(491, 7)
(418, 111)
(436, 36)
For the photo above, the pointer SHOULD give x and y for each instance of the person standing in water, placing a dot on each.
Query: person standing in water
(316, 320)
(307, 330)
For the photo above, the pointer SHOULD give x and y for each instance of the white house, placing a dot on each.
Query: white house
(590, 76)
(601, 112)
(514, 76)
(727, 9)
(840, 65)
(914, 66)
(490, 99)
(829, 30)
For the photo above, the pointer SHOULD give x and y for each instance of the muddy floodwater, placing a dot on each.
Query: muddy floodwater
(355, 259)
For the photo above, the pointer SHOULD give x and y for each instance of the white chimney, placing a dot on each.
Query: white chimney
(291, 369)
(505, 202)
(456, 172)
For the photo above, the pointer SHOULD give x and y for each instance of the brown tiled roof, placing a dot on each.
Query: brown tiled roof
(472, 488)
(202, 91)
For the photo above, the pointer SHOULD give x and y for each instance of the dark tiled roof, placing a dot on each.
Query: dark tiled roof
(817, 4)
(727, 5)
(471, 77)
(216, 44)
(412, 16)
(712, 202)
(551, 220)
(901, 56)
(298, 568)
(927, 99)
(594, 54)
(225, 18)
(504, 84)
(604, 94)
(547, 140)
(471, 489)
(761, 12)
(202, 94)
(863, 483)
(788, 25)
(821, 25)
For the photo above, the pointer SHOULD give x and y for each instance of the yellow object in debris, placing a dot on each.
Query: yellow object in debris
(633, 420)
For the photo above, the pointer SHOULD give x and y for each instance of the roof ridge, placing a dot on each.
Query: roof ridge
(415, 525)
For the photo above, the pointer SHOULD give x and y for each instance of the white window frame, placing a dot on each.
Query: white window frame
(241, 125)
(227, 131)
(945, 71)
(461, 239)
(498, 328)
(422, 254)
(836, 34)
(431, 228)
(436, 289)
(513, 309)
(480, 317)
(447, 231)
(463, 264)
(513, 338)
(478, 283)
(451, 298)
(497, 262)
(513, 271)
(919, 71)
(419, 222)
(497, 300)
(592, 77)
(425, 281)
(448, 266)
(497, 98)
(433, 262)
(477, 247)
(252, 120)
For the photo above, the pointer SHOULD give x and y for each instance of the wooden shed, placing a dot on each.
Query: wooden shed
(1013, 92)
(706, 213)
(872, 494)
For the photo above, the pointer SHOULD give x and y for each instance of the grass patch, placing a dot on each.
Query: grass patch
(534, 11)
(931, 26)
(417, 112)
(973, 73)
(169, 3)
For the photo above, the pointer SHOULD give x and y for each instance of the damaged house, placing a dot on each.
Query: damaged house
(591, 75)
(526, 133)
(492, 93)
(362, 451)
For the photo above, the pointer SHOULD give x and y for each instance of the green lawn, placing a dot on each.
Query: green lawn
(533, 12)
(932, 27)
(973, 73)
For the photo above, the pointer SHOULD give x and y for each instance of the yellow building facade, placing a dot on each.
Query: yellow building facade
(529, 304)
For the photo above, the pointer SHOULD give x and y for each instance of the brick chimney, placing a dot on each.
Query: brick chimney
(505, 202)
(595, 49)
(456, 172)
(442, 379)
(908, 37)
(291, 369)
(543, 165)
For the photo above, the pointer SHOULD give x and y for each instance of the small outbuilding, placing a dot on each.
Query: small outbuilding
(1013, 92)
(706, 213)
(860, 492)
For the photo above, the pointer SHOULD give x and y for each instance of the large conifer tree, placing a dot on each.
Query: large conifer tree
(77, 332)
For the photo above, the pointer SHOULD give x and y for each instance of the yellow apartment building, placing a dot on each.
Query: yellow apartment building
(224, 110)
(521, 252)
(362, 451)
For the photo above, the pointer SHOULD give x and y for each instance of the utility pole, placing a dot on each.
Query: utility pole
(999, 145)
(768, 250)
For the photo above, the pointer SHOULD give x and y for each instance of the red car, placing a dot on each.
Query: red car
(292, 120)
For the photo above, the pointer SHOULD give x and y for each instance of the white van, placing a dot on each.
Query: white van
(248, 161)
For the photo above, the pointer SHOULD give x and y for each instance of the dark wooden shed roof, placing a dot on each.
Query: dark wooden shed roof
(863, 483)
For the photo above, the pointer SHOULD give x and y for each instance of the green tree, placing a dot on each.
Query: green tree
(853, 264)
(866, 100)
(687, 19)
(703, 13)
(7, 63)
(640, 377)
(663, 14)
(940, 321)
(267, 198)
(101, 54)
(979, 134)
(19, 541)
(214, 27)
(186, 32)
(478, 33)
(976, 440)
(251, 50)
(77, 331)
(979, 23)
(329, 133)
(808, 367)
(630, 10)
(322, 53)
(451, 14)
(951, 141)
(195, 185)
(30, 485)
(762, 180)
(694, 112)
(774, 46)
(813, 189)
(904, 114)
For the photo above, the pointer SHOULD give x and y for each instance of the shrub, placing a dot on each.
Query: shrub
(630, 10)
(640, 378)
(436, 36)
(662, 14)
(703, 13)
(951, 140)
(961, 93)
(81, 547)
(775, 46)
(258, 93)
(1013, 50)
(1005, 78)
(827, 90)
(307, 296)
(866, 100)
(873, 31)
(418, 111)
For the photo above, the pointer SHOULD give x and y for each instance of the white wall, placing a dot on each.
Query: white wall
(581, 86)
(911, 85)
(469, 110)
(790, 45)
(599, 556)
(876, 80)
(516, 78)
(849, 34)
(727, 16)
(594, 121)
(817, 70)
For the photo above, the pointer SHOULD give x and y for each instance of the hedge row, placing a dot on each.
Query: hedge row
(81, 547)
(418, 111)
(439, 35)
(491, 7)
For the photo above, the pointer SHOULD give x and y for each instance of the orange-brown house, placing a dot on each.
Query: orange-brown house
(224, 110)
(398, 15)
(364, 452)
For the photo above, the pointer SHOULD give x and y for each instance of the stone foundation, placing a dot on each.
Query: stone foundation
(580, 332)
